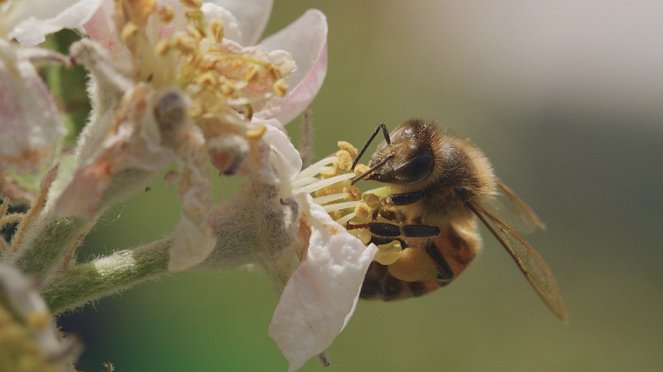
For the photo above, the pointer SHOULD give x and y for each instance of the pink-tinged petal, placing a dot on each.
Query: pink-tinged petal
(251, 15)
(133, 142)
(321, 294)
(29, 119)
(287, 162)
(31, 20)
(101, 27)
(194, 235)
(306, 40)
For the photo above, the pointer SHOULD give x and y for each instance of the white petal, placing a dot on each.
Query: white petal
(321, 294)
(29, 120)
(287, 162)
(133, 142)
(31, 20)
(252, 16)
(194, 236)
(306, 40)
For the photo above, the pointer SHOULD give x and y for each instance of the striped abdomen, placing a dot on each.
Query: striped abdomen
(449, 254)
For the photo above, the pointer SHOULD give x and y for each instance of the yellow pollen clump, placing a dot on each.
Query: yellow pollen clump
(166, 13)
(281, 87)
(363, 211)
(194, 4)
(257, 133)
(372, 201)
(207, 78)
(195, 32)
(195, 110)
(387, 254)
(162, 47)
(216, 29)
(330, 171)
(128, 31)
(184, 43)
(344, 160)
(251, 73)
(361, 169)
(347, 146)
(194, 15)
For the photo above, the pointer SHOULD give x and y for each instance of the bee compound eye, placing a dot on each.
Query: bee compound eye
(418, 167)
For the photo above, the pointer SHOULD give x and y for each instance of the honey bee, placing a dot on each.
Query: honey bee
(437, 187)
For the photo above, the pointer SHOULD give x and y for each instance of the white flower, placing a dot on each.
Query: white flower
(162, 57)
(29, 119)
(312, 259)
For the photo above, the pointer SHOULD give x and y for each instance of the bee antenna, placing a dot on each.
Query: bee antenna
(385, 132)
(371, 170)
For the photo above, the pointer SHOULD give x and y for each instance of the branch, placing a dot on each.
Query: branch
(102, 277)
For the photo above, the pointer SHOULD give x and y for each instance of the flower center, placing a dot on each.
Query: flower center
(221, 78)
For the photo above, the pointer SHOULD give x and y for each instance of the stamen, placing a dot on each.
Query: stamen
(323, 183)
(345, 219)
(329, 198)
(340, 206)
(314, 169)
(299, 182)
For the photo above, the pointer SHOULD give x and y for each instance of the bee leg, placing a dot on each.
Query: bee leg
(389, 230)
(404, 198)
(380, 240)
(420, 231)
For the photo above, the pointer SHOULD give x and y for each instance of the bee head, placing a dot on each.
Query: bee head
(409, 157)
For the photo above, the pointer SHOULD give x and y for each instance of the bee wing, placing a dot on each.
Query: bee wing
(530, 262)
(511, 208)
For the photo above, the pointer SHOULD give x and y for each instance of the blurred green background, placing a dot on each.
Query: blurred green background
(563, 97)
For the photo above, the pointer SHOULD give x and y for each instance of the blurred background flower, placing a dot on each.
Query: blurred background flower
(563, 97)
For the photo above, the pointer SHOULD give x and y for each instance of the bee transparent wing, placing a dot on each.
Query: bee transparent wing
(512, 209)
(530, 262)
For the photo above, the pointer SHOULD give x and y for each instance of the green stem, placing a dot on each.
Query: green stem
(102, 277)
(49, 244)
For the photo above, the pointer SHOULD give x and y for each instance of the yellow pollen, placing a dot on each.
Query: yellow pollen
(344, 160)
(227, 89)
(257, 133)
(331, 172)
(194, 15)
(388, 254)
(128, 31)
(361, 169)
(251, 73)
(372, 201)
(185, 44)
(195, 110)
(216, 29)
(280, 87)
(208, 79)
(162, 47)
(166, 14)
(347, 146)
(194, 32)
(194, 4)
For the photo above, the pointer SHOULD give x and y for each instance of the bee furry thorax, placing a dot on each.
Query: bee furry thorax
(448, 170)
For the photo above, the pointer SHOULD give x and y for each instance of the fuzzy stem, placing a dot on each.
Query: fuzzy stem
(49, 245)
(102, 277)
